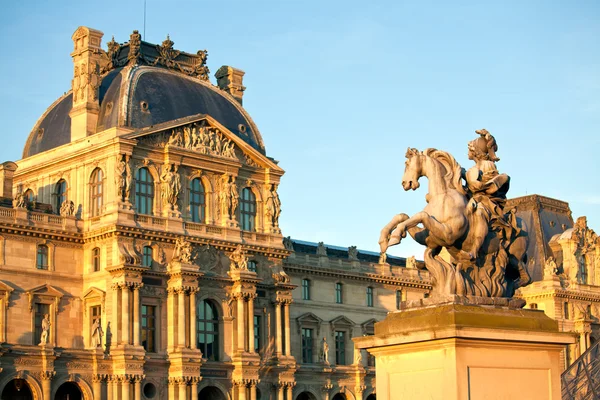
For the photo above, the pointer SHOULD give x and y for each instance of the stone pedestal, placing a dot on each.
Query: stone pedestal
(458, 351)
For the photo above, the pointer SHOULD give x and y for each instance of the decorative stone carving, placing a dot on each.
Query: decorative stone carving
(166, 53)
(228, 196)
(135, 44)
(112, 56)
(324, 356)
(171, 185)
(123, 178)
(586, 241)
(20, 201)
(485, 247)
(279, 275)
(353, 253)
(67, 208)
(288, 244)
(411, 262)
(273, 206)
(550, 268)
(239, 260)
(45, 330)
(97, 333)
(321, 249)
(184, 252)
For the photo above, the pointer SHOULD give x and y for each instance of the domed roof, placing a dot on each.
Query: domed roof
(140, 96)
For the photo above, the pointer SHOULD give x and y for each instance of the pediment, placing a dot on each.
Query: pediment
(368, 327)
(309, 318)
(45, 290)
(204, 136)
(5, 288)
(94, 292)
(342, 321)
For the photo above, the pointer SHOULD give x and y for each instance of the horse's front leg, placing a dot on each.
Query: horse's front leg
(400, 232)
(384, 237)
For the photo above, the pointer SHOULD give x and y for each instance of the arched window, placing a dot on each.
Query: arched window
(96, 259)
(61, 194)
(197, 200)
(29, 196)
(42, 257)
(144, 191)
(96, 192)
(207, 329)
(247, 210)
(147, 256)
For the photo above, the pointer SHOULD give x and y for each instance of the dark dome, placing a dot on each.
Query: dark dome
(152, 95)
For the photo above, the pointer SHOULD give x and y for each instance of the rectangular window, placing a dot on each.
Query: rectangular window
(40, 311)
(566, 310)
(369, 297)
(42, 257)
(252, 266)
(340, 347)
(426, 295)
(398, 299)
(305, 289)
(149, 328)
(257, 333)
(307, 346)
(338, 293)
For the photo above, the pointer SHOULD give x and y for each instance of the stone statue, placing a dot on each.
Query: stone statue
(288, 244)
(171, 185)
(382, 258)
(411, 262)
(123, 178)
(321, 249)
(45, 330)
(281, 276)
(229, 198)
(464, 215)
(97, 333)
(239, 260)
(357, 356)
(324, 352)
(273, 206)
(550, 268)
(20, 201)
(184, 251)
(67, 208)
(490, 144)
(353, 253)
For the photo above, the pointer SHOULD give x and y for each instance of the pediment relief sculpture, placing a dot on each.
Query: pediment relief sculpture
(464, 215)
(184, 251)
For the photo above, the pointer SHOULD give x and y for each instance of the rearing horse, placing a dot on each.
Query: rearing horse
(444, 219)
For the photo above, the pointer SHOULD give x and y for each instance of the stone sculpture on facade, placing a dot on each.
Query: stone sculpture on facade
(239, 260)
(20, 201)
(45, 330)
(353, 253)
(464, 215)
(97, 333)
(67, 208)
(171, 185)
(123, 178)
(324, 357)
(411, 262)
(273, 207)
(184, 252)
(321, 249)
(550, 268)
(228, 197)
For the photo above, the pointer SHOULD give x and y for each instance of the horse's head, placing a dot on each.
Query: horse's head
(412, 169)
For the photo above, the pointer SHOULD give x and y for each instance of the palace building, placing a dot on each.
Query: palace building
(141, 255)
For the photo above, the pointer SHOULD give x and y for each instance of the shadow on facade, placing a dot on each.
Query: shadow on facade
(211, 393)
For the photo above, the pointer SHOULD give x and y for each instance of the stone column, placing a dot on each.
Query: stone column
(325, 391)
(116, 387)
(172, 384)
(109, 388)
(194, 389)
(136, 315)
(290, 389)
(182, 389)
(278, 338)
(252, 387)
(251, 323)
(170, 322)
(280, 389)
(286, 307)
(241, 390)
(137, 388)
(193, 339)
(115, 337)
(125, 388)
(181, 317)
(47, 384)
(240, 323)
(125, 315)
(97, 387)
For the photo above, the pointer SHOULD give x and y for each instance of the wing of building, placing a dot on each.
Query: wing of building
(141, 255)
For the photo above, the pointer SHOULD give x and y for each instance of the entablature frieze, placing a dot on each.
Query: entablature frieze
(31, 234)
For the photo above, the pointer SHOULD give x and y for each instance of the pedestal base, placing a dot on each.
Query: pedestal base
(456, 351)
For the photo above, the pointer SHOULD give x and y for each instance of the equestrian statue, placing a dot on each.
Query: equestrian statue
(474, 246)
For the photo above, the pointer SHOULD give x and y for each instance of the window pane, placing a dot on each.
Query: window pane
(247, 210)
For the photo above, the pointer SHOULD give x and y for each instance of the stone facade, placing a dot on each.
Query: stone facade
(151, 241)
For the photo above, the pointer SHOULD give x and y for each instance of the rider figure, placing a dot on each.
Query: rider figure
(487, 189)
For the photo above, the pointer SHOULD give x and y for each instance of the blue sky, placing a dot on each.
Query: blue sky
(340, 89)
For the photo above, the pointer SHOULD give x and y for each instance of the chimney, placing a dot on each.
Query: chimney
(230, 79)
(7, 171)
(87, 60)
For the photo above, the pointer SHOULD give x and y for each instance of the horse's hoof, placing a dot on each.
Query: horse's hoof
(393, 241)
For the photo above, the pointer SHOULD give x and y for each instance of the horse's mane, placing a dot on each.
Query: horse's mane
(453, 169)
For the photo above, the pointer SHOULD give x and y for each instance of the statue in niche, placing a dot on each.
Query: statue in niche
(97, 333)
(411, 262)
(229, 198)
(239, 260)
(321, 249)
(273, 206)
(550, 268)
(464, 215)
(184, 252)
(45, 330)
(324, 357)
(67, 208)
(123, 178)
(171, 184)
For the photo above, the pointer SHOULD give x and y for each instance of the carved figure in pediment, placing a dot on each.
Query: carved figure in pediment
(228, 196)
(239, 260)
(273, 206)
(171, 184)
(208, 257)
(67, 208)
(184, 251)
